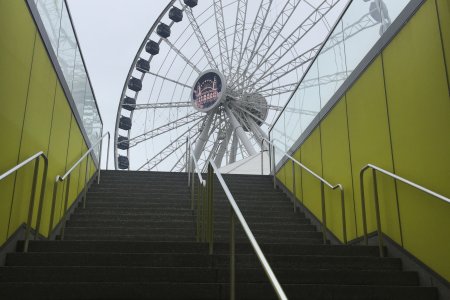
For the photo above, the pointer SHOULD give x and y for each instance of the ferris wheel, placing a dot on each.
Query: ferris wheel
(216, 73)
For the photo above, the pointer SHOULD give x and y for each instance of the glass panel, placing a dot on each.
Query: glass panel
(67, 48)
(50, 13)
(79, 83)
(332, 67)
(57, 23)
(355, 34)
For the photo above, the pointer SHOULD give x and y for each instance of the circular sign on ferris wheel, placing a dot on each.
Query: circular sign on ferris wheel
(208, 90)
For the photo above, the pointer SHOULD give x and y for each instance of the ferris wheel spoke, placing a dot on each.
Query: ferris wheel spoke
(285, 69)
(167, 151)
(222, 36)
(254, 34)
(273, 33)
(244, 109)
(201, 38)
(165, 128)
(168, 79)
(212, 153)
(279, 90)
(180, 54)
(163, 105)
(297, 35)
(239, 30)
(223, 147)
(351, 30)
(181, 165)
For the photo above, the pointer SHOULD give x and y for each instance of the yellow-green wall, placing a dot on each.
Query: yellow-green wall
(396, 116)
(35, 116)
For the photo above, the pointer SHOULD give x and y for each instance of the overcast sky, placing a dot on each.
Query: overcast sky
(110, 33)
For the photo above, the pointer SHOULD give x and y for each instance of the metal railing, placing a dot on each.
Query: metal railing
(36, 159)
(66, 178)
(323, 183)
(204, 233)
(205, 220)
(376, 169)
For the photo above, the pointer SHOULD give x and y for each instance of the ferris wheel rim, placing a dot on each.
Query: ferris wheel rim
(138, 54)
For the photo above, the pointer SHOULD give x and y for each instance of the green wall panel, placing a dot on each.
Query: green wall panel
(298, 176)
(16, 52)
(370, 143)
(444, 18)
(419, 110)
(336, 162)
(281, 175)
(83, 168)
(311, 157)
(59, 140)
(35, 116)
(288, 182)
(398, 119)
(36, 132)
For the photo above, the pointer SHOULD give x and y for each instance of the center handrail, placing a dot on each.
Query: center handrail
(34, 158)
(377, 205)
(190, 157)
(237, 212)
(322, 180)
(68, 174)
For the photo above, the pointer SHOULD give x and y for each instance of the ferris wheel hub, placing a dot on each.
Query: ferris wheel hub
(209, 90)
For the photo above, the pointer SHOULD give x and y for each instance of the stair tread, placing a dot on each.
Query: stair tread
(136, 240)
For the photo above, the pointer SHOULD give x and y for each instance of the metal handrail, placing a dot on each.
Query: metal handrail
(235, 211)
(35, 158)
(205, 219)
(322, 183)
(67, 176)
(377, 204)
(190, 157)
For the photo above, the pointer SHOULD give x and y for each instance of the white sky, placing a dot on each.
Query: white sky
(109, 33)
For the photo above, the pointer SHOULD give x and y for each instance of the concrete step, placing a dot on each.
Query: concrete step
(318, 262)
(118, 217)
(292, 227)
(205, 275)
(109, 259)
(251, 219)
(179, 237)
(134, 291)
(195, 247)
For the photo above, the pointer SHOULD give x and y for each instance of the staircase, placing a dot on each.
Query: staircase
(136, 240)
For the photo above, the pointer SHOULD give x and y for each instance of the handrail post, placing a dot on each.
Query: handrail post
(205, 214)
(198, 208)
(377, 211)
(270, 158)
(273, 165)
(193, 191)
(41, 198)
(344, 225)
(107, 153)
(52, 212)
(211, 207)
(262, 157)
(324, 213)
(363, 206)
(99, 163)
(187, 161)
(232, 257)
(86, 181)
(100, 155)
(63, 228)
(31, 205)
(294, 189)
